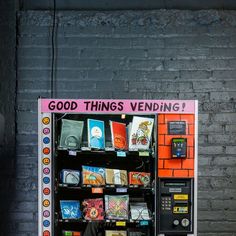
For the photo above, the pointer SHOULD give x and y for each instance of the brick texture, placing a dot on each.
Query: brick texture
(162, 54)
(7, 111)
(181, 167)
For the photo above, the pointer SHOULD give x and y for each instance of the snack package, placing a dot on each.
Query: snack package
(96, 134)
(139, 178)
(71, 134)
(70, 209)
(68, 176)
(93, 209)
(141, 132)
(139, 211)
(116, 177)
(93, 175)
(116, 207)
(119, 135)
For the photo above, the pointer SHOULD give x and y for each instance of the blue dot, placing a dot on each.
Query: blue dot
(46, 140)
(46, 223)
(46, 180)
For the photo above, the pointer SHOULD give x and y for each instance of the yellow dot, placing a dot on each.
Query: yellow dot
(46, 203)
(46, 161)
(46, 120)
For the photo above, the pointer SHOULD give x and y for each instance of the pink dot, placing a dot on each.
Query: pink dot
(46, 171)
(46, 213)
(46, 130)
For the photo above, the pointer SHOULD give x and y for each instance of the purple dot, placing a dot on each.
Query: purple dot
(46, 171)
(46, 213)
(46, 130)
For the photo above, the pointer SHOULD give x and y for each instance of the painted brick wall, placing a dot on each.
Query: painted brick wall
(7, 108)
(168, 167)
(130, 54)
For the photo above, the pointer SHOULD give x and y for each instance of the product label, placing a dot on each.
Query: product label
(180, 196)
(180, 210)
(120, 223)
(97, 190)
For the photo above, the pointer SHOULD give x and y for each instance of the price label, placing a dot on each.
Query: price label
(120, 223)
(85, 149)
(72, 153)
(121, 190)
(121, 154)
(143, 154)
(109, 149)
(97, 190)
(143, 222)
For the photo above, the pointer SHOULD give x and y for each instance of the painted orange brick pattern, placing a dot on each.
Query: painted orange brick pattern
(168, 167)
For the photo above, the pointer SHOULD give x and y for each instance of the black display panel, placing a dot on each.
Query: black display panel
(176, 206)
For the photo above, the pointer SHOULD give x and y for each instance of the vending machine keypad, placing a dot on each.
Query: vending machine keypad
(166, 203)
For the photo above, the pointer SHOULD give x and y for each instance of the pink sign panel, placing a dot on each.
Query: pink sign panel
(105, 106)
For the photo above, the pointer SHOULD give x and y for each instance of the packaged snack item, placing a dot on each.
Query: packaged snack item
(70, 209)
(116, 207)
(139, 178)
(93, 209)
(93, 175)
(116, 177)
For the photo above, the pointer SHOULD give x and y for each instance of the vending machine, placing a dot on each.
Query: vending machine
(117, 167)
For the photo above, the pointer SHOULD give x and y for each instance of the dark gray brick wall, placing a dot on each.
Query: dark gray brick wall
(130, 54)
(7, 108)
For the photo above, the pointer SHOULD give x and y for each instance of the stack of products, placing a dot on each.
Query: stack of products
(99, 176)
(135, 136)
(93, 209)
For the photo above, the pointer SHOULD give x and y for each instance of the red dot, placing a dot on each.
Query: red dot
(46, 151)
(46, 233)
(46, 191)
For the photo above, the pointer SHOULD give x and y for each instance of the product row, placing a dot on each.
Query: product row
(134, 136)
(129, 232)
(98, 176)
(117, 207)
